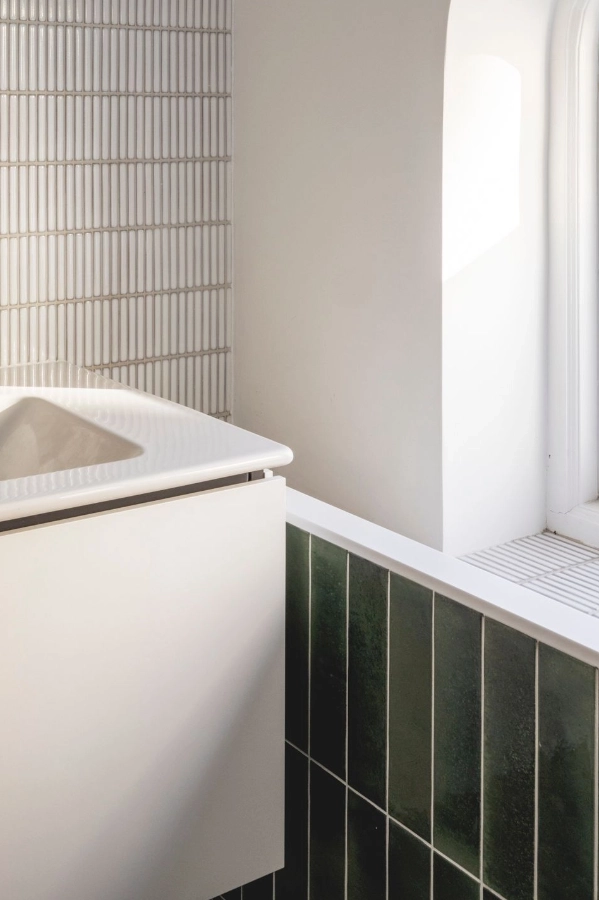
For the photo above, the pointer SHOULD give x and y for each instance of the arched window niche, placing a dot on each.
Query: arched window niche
(519, 267)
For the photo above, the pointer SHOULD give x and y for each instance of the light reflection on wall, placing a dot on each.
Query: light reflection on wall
(481, 166)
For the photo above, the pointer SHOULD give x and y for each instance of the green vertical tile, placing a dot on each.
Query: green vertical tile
(410, 705)
(259, 890)
(489, 895)
(457, 767)
(328, 695)
(327, 836)
(367, 682)
(233, 895)
(450, 883)
(566, 777)
(409, 866)
(366, 850)
(509, 754)
(292, 881)
(297, 632)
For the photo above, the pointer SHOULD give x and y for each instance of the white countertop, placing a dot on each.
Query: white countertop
(180, 447)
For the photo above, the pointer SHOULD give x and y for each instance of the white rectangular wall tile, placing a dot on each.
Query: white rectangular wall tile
(116, 191)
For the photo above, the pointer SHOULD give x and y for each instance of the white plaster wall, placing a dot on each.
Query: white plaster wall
(495, 298)
(338, 162)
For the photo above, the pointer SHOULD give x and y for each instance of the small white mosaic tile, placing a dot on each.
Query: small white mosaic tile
(551, 565)
(116, 191)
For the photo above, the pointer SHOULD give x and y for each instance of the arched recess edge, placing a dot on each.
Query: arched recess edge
(572, 271)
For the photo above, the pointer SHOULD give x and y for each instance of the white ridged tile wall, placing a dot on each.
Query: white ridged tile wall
(115, 191)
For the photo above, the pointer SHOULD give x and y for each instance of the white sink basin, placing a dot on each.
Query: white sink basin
(38, 437)
(70, 438)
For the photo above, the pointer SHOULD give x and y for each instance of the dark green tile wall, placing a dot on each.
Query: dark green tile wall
(566, 777)
(410, 699)
(474, 715)
(328, 688)
(292, 881)
(367, 679)
(509, 762)
(259, 890)
(451, 883)
(327, 836)
(366, 850)
(458, 719)
(409, 865)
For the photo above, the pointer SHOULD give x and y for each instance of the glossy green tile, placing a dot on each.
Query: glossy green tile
(297, 632)
(410, 705)
(489, 895)
(509, 762)
(328, 697)
(566, 777)
(409, 866)
(457, 767)
(367, 682)
(366, 850)
(233, 895)
(259, 890)
(327, 836)
(450, 883)
(292, 881)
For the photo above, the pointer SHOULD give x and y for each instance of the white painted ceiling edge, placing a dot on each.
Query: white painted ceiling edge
(505, 270)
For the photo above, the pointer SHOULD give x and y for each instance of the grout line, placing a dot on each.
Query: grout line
(482, 757)
(387, 834)
(410, 832)
(347, 571)
(455, 865)
(536, 813)
(310, 540)
(346, 860)
(74, 92)
(153, 359)
(99, 367)
(108, 26)
(432, 817)
(138, 295)
(114, 229)
(596, 794)
(387, 760)
(158, 95)
(119, 160)
(229, 206)
(303, 753)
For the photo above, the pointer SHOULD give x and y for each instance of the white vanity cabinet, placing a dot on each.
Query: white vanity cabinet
(141, 645)
(141, 694)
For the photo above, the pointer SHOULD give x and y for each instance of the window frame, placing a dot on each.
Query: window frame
(573, 283)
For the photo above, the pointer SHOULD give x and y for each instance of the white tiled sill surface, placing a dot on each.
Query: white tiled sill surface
(554, 566)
